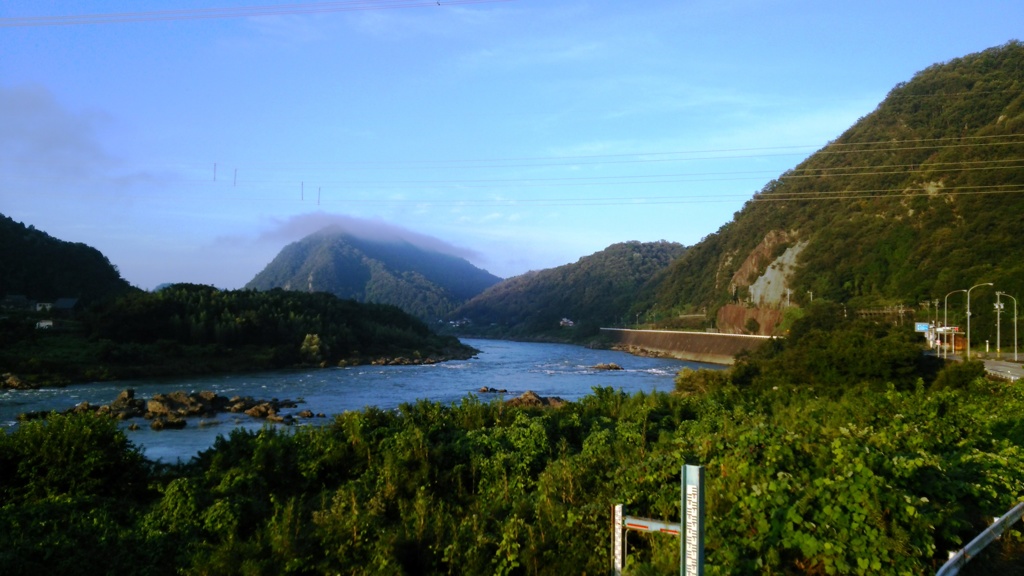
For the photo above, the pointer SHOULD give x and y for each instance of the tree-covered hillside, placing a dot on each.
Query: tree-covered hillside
(923, 196)
(189, 329)
(598, 290)
(425, 283)
(42, 268)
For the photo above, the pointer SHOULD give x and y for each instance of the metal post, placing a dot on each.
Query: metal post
(618, 548)
(999, 315)
(690, 529)
(1014, 323)
(691, 541)
(969, 315)
(945, 318)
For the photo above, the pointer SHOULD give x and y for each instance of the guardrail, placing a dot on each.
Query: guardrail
(962, 557)
(1002, 375)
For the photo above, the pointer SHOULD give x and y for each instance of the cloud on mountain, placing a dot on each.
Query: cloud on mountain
(297, 227)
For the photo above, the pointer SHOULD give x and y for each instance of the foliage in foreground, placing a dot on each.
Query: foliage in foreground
(884, 481)
(818, 477)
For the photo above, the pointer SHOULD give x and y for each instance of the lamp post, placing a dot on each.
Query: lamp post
(1014, 322)
(999, 315)
(945, 318)
(969, 315)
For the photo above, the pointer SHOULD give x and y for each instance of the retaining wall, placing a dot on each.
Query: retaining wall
(694, 346)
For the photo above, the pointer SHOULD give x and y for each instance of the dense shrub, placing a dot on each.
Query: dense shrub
(959, 375)
(850, 472)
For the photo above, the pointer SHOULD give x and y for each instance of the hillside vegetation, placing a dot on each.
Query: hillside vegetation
(598, 290)
(425, 283)
(42, 268)
(921, 197)
(190, 329)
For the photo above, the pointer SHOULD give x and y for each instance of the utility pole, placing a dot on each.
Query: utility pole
(1014, 324)
(968, 349)
(999, 313)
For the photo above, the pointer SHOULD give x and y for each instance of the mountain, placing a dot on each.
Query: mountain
(40, 267)
(424, 282)
(598, 290)
(921, 197)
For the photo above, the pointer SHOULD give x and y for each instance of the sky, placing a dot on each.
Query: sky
(190, 141)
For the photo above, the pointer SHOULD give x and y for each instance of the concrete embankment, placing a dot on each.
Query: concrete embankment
(695, 346)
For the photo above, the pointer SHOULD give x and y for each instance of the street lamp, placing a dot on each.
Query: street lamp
(945, 318)
(969, 315)
(1014, 322)
(999, 315)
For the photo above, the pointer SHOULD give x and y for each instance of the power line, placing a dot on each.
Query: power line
(807, 173)
(701, 198)
(832, 148)
(642, 179)
(229, 12)
(847, 174)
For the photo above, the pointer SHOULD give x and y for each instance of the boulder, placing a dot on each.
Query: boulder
(168, 411)
(168, 423)
(531, 399)
(262, 410)
(126, 405)
(10, 380)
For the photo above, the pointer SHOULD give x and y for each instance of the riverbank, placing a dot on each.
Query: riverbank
(65, 359)
(713, 348)
(550, 370)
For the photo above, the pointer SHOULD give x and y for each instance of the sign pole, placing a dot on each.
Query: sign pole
(691, 542)
(617, 540)
(690, 529)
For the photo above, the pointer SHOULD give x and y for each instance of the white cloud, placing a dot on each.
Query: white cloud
(38, 137)
(297, 227)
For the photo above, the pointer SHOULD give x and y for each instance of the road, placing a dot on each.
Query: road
(1011, 370)
(1002, 368)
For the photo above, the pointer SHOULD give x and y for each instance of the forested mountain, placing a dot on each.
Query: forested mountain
(194, 329)
(423, 282)
(597, 290)
(42, 268)
(921, 197)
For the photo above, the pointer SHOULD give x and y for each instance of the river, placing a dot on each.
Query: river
(548, 369)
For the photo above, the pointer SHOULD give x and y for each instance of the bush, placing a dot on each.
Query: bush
(73, 456)
(701, 381)
(959, 375)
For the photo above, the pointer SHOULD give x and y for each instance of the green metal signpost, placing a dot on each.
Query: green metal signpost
(690, 530)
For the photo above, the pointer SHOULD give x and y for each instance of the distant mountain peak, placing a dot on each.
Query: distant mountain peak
(597, 290)
(409, 271)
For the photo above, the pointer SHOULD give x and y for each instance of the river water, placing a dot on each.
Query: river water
(547, 369)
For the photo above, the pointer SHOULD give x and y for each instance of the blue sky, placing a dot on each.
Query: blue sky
(519, 134)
